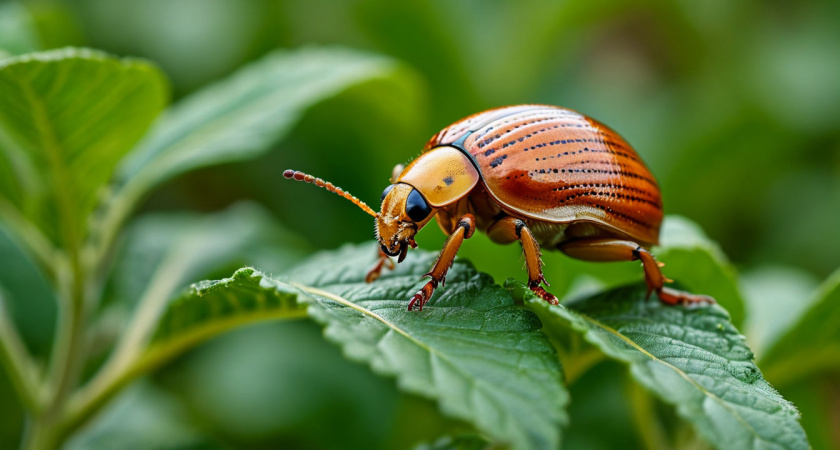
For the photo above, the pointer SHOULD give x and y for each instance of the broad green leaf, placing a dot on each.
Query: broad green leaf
(241, 116)
(471, 348)
(698, 263)
(66, 118)
(692, 358)
(776, 298)
(812, 344)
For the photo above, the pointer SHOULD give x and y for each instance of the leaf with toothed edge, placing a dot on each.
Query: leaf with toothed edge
(482, 357)
(692, 358)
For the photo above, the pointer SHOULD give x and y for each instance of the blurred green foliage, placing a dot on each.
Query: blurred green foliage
(733, 105)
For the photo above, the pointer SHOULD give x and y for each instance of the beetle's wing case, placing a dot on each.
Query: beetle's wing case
(556, 165)
(443, 175)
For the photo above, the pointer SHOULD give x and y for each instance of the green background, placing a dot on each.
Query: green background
(735, 106)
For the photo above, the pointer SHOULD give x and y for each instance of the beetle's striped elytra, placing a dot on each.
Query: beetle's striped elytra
(542, 175)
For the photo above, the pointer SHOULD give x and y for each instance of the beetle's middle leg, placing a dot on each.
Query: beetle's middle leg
(619, 250)
(464, 230)
(510, 229)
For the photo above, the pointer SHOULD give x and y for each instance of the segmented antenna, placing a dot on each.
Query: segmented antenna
(300, 176)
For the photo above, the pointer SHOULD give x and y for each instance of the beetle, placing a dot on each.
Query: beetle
(546, 176)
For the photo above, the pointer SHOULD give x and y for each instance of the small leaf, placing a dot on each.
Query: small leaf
(692, 358)
(212, 307)
(812, 343)
(482, 357)
(242, 116)
(698, 263)
(66, 119)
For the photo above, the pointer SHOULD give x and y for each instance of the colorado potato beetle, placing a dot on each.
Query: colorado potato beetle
(545, 176)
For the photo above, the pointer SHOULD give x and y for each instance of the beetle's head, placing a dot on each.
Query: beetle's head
(404, 212)
(444, 175)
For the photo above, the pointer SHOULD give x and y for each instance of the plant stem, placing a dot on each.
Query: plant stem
(46, 431)
(18, 363)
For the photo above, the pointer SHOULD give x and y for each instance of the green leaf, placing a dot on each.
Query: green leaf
(212, 307)
(812, 344)
(66, 119)
(482, 357)
(692, 358)
(698, 263)
(241, 116)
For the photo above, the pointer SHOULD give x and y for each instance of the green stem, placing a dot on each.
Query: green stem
(18, 363)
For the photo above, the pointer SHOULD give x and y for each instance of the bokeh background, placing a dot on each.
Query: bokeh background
(735, 106)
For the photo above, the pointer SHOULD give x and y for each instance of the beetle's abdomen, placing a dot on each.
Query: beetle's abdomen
(559, 166)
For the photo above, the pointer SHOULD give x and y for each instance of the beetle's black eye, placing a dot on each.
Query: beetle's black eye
(416, 206)
(385, 192)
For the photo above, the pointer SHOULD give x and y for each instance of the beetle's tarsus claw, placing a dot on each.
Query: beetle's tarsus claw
(423, 295)
(543, 294)
(416, 303)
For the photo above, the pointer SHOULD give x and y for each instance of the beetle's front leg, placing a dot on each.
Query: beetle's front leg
(384, 261)
(510, 229)
(464, 230)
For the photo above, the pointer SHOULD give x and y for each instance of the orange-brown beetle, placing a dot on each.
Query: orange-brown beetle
(542, 175)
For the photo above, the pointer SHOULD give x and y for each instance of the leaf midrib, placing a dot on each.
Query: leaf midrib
(62, 187)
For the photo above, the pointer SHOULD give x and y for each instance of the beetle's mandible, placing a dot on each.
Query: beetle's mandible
(545, 176)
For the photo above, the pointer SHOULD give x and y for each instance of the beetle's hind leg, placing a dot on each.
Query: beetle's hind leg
(510, 229)
(619, 250)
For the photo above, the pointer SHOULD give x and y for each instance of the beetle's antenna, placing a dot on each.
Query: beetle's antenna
(300, 176)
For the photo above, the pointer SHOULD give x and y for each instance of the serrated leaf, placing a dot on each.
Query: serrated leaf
(471, 348)
(697, 262)
(692, 358)
(66, 118)
(241, 116)
(812, 344)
